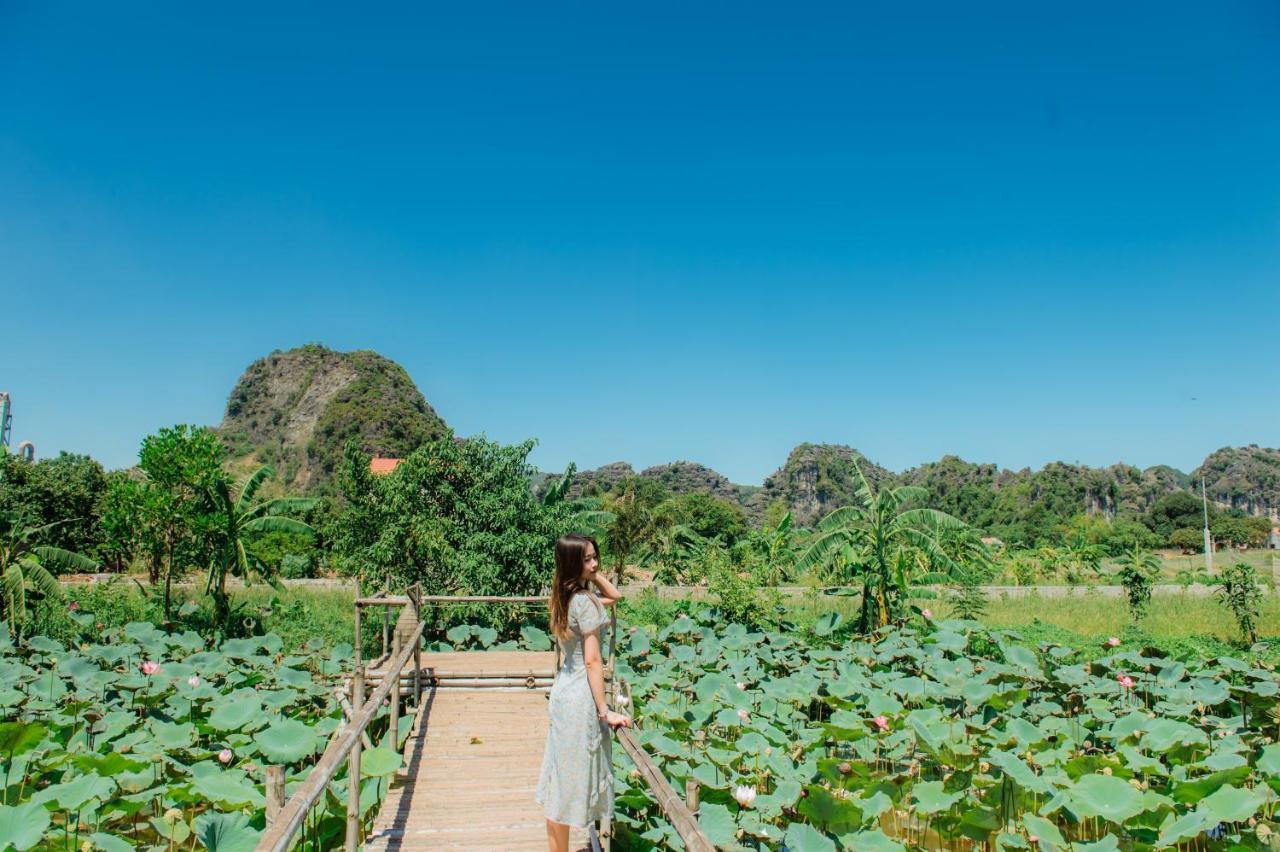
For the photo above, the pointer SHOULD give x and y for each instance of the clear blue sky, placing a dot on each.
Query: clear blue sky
(1013, 231)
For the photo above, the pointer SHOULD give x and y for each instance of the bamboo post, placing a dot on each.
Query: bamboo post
(691, 793)
(386, 618)
(275, 792)
(417, 649)
(353, 762)
(395, 693)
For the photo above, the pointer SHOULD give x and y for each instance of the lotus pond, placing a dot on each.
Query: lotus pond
(946, 736)
(136, 738)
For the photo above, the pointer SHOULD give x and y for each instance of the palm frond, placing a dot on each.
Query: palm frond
(15, 593)
(64, 560)
(843, 517)
(38, 578)
(907, 493)
(929, 546)
(276, 524)
(249, 486)
(283, 505)
(821, 550)
(931, 518)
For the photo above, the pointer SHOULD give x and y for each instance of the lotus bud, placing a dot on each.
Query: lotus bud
(1113, 642)
(1031, 838)
(172, 815)
(193, 681)
(927, 613)
(742, 686)
(150, 667)
(744, 715)
(744, 795)
(623, 699)
(224, 756)
(881, 722)
(844, 767)
(984, 767)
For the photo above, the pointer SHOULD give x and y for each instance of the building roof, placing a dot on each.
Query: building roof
(381, 465)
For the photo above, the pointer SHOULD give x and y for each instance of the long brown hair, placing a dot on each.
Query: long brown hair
(571, 558)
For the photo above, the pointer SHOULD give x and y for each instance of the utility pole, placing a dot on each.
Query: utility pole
(1208, 542)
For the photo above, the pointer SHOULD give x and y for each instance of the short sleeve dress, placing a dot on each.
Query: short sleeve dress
(576, 784)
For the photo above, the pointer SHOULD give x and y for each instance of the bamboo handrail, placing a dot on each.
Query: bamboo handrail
(277, 837)
(675, 810)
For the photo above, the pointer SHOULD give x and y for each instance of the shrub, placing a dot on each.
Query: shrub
(295, 566)
(1238, 591)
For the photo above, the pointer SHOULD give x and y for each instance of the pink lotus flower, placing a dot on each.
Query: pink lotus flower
(74, 606)
(881, 722)
(1113, 642)
(150, 667)
(1125, 681)
(744, 715)
(927, 613)
(224, 756)
(193, 681)
(742, 686)
(99, 625)
(1031, 838)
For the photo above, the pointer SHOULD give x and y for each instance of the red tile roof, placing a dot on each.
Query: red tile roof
(380, 465)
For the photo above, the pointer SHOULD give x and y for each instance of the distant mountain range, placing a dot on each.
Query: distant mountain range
(297, 409)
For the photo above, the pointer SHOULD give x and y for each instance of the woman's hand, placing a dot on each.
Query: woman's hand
(616, 720)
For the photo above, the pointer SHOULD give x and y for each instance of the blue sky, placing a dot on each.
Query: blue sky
(1009, 231)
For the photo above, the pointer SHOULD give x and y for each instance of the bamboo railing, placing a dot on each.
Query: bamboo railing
(347, 744)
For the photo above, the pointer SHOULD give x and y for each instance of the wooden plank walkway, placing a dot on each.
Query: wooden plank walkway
(473, 759)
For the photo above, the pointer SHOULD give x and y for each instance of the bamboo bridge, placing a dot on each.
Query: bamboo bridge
(472, 753)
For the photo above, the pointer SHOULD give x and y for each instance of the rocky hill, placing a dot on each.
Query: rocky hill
(1246, 478)
(297, 409)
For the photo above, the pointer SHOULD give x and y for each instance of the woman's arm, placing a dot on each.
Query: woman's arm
(607, 592)
(595, 677)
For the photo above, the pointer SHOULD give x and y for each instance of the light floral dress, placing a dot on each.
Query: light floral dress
(576, 784)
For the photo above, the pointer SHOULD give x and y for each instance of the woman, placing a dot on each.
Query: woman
(576, 785)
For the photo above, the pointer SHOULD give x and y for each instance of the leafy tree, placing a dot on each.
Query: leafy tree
(124, 514)
(772, 546)
(60, 495)
(675, 549)
(636, 521)
(457, 516)
(179, 526)
(585, 514)
(1187, 539)
(25, 567)
(1241, 531)
(1178, 510)
(241, 520)
(877, 537)
(708, 516)
(1138, 569)
(1238, 591)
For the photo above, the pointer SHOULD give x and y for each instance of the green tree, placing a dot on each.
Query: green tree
(27, 567)
(457, 516)
(60, 495)
(241, 520)
(179, 526)
(1138, 569)
(1178, 510)
(585, 514)
(636, 522)
(708, 516)
(1187, 539)
(876, 537)
(1238, 591)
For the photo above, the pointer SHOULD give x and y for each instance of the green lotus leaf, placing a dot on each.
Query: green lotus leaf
(144, 633)
(827, 623)
(229, 787)
(836, 815)
(45, 645)
(293, 677)
(535, 639)
(22, 826)
(1050, 836)
(172, 735)
(1106, 844)
(1269, 761)
(1231, 804)
(1163, 734)
(802, 837)
(872, 841)
(718, 823)
(235, 710)
(228, 832)
(242, 649)
(459, 633)
(1176, 829)
(176, 832)
(109, 842)
(1105, 796)
(76, 793)
(931, 798)
(708, 776)
(287, 741)
(487, 636)
(20, 737)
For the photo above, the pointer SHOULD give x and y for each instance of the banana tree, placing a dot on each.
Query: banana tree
(877, 537)
(585, 514)
(25, 567)
(242, 520)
